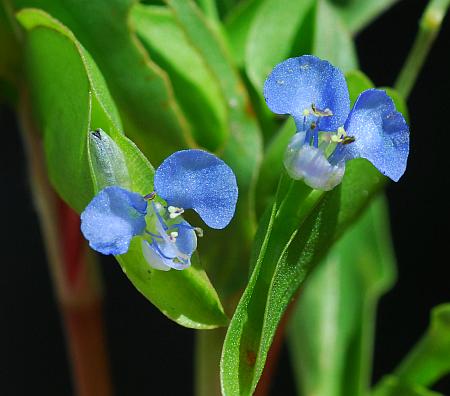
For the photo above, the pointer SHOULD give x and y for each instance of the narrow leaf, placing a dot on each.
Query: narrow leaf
(331, 331)
(196, 88)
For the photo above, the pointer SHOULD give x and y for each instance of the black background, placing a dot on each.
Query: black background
(152, 355)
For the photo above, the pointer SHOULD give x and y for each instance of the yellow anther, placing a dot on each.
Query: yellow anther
(198, 231)
(306, 112)
(336, 139)
(321, 113)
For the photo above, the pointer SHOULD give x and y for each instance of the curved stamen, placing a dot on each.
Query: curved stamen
(188, 226)
(155, 245)
(160, 219)
(153, 235)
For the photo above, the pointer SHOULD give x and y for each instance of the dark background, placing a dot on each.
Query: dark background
(144, 345)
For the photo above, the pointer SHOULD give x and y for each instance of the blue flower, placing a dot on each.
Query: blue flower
(189, 179)
(328, 134)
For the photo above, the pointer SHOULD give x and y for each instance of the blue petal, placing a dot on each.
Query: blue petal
(112, 218)
(381, 133)
(308, 163)
(297, 83)
(195, 179)
(187, 238)
(153, 258)
(165, 255)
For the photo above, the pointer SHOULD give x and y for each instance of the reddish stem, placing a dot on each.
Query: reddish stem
(73, 269)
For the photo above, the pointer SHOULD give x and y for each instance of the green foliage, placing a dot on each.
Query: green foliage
(141, 89)
(243, 149)
(330, 334)
(303, 225)
(429, 360)
(196, 88)
(185, 73)
(359, 13)
(72, 99)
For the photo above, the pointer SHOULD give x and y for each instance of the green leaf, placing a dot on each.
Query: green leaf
(359, 13)
(392, 386)
(10, 60)
(187, 296)
(196, 89)
(331, 331)
(272, 36)
(429, 360)
(243, 149)
(62, 87)
(306, 224)
(292, 28)
(142, 91)
(357, 82)
(72, 99)
(332, 39)
(237, 27)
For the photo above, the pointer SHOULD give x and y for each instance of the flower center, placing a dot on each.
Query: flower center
(171, 237)
(330, 143)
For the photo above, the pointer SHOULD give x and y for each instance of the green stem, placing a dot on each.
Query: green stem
(208, 349)
(429, 360)
(209, 8)
(429, 27)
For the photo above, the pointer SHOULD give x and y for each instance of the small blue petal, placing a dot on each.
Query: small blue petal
(297, 83)
(165, 255)
(153, 258)
(195, 179)
(308, 163)
(112, 219)
(187, 238)
(381, 133)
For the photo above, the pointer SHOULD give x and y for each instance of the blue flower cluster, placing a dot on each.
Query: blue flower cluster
(189, 179)
(329, 133)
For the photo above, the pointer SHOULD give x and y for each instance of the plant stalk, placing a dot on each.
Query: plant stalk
(73, 270)
(429, 27)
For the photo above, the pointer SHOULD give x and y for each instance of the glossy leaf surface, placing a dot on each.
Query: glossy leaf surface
(196, 88)
(141, 89)
(331, 330)
(69, 109)
(305, 224)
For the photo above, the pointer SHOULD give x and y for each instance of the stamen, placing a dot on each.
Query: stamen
(150, 196)
(173, 236)
(153, 235)
(174, 212)
(340, 137)
(155, 245)
(160, 219)
(181, 225)
(348, 139)
(199, 232)
(306, 112)
(321, 113)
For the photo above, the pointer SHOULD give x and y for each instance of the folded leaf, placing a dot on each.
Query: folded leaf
(243, 149)
(142, 91)
(305, 225)
(429, 360)
(359, 13)
(331, 331)
(196, 88)
(72, 100)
